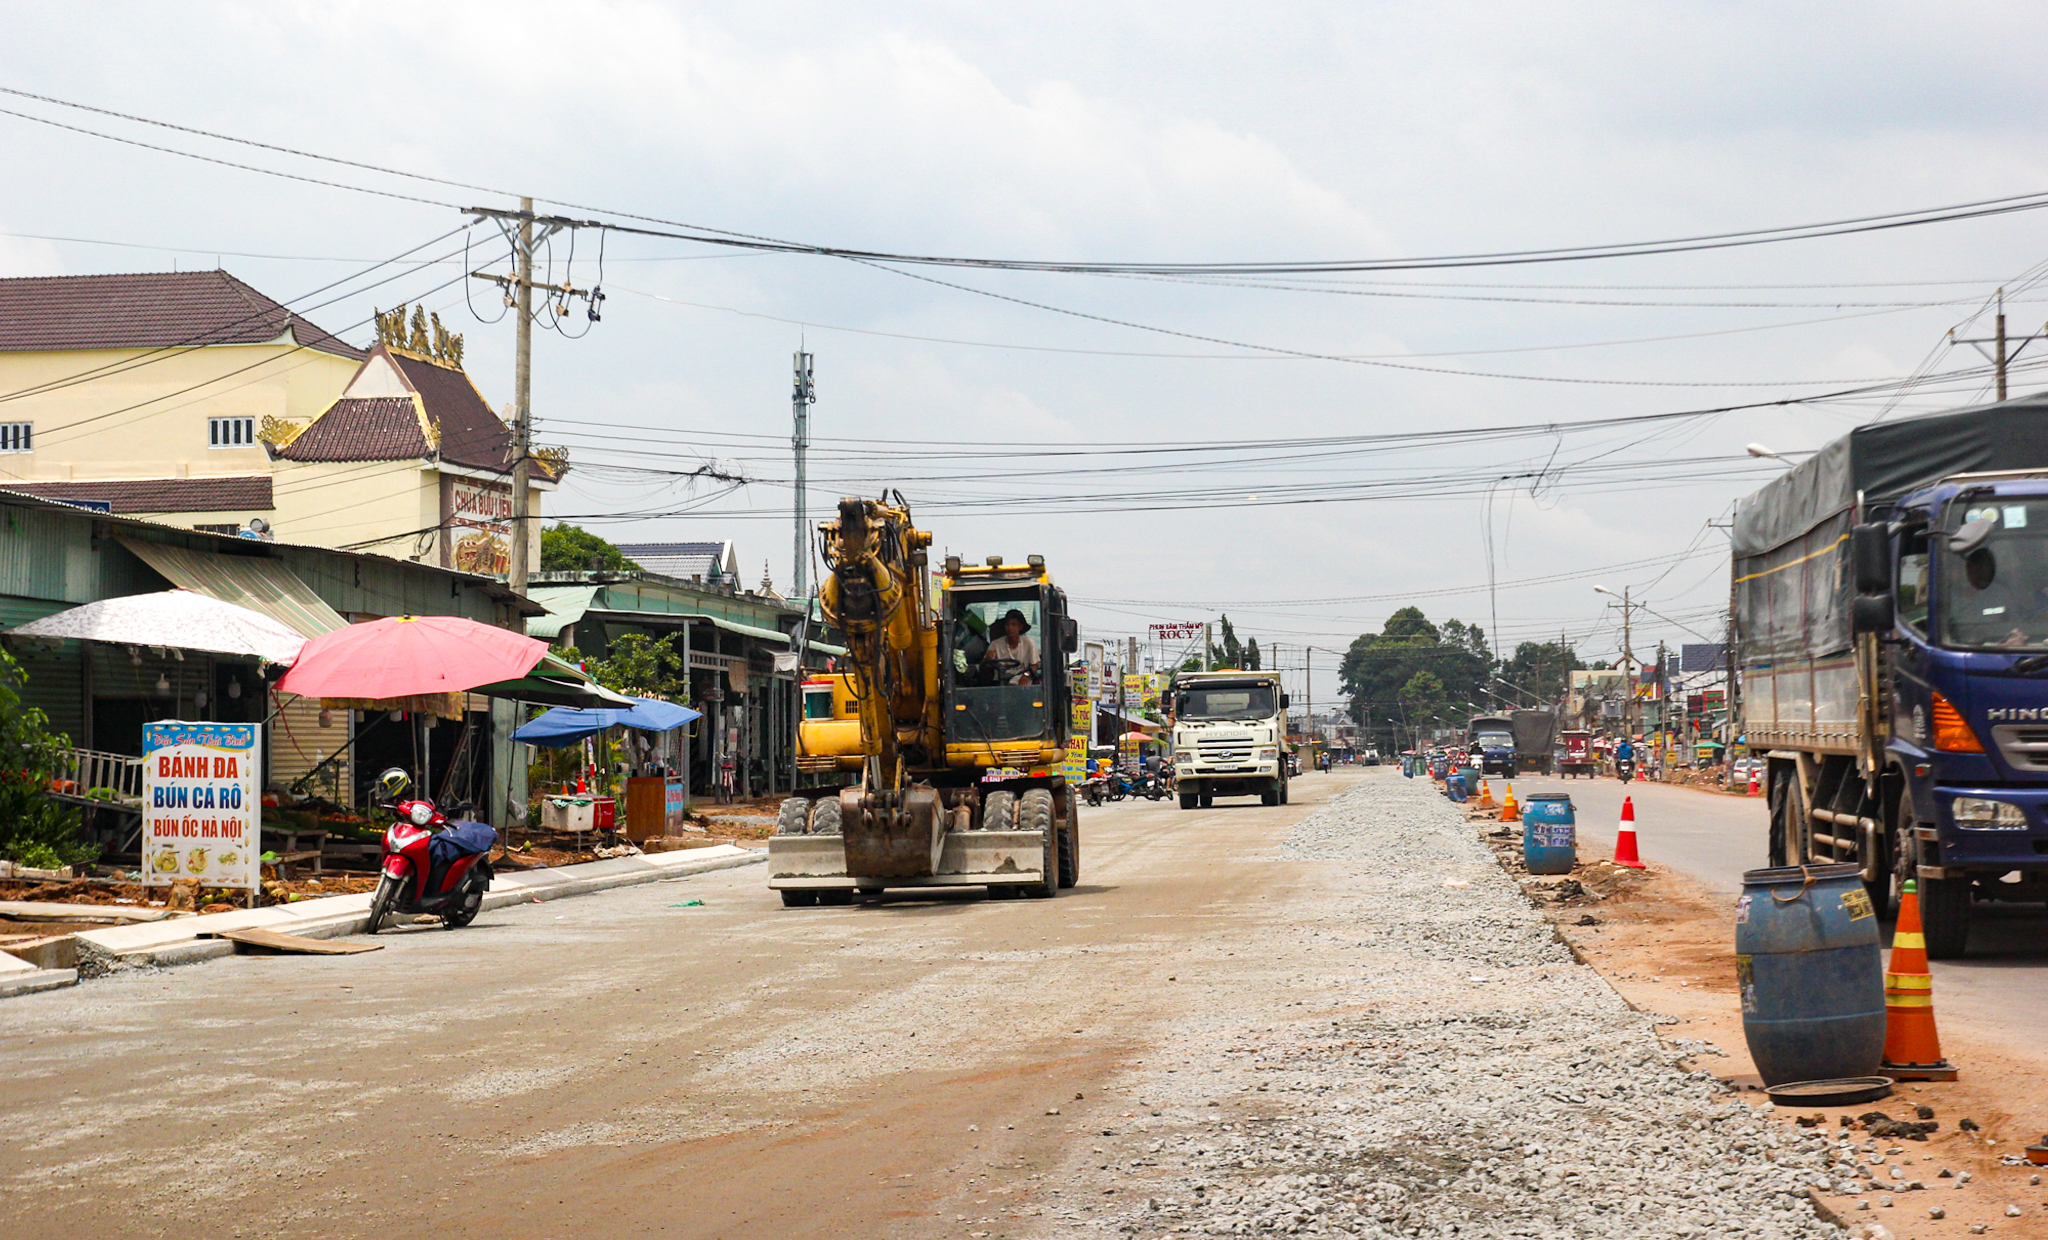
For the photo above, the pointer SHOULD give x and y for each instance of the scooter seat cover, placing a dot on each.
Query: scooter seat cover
(460, 839)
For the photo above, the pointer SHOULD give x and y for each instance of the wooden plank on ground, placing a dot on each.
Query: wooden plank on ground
(273, 940)
(51, 910)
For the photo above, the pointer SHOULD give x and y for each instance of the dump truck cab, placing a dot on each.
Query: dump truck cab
(1954, 582)
(1229, 737)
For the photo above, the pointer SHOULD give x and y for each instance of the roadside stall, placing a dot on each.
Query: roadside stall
(657, 799)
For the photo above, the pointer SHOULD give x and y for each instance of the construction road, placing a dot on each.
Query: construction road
(629, 1063)
(2000, 988)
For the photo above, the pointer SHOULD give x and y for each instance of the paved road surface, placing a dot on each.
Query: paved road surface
(2000, 987)
(626, 1064)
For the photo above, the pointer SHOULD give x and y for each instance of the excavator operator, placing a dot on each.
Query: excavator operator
(1013, 655)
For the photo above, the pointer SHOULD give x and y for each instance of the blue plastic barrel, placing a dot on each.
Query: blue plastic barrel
(1550, 833)
(1811, 972)
(1454, 787)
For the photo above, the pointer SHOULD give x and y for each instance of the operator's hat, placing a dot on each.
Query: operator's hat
(1018, 616)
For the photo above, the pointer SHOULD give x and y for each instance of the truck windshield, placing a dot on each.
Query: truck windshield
(1496, 740)
(1997, 596)
(1245, 701)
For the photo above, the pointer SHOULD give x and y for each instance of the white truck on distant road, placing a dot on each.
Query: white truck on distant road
(1229, 737)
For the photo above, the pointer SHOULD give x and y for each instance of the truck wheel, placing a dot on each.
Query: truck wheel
(1189, 798)
(1208, 799)
(793, 817)
(1784, 808)
(1945, 916)
(999, 811)
(1034, 813)
(1283, 792)
(1271, 796)
(825, 816)
(799, 899)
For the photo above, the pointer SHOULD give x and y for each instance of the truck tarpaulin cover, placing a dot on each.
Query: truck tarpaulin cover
(1792, 537)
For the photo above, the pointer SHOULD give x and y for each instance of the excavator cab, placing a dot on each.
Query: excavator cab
(1002, 689)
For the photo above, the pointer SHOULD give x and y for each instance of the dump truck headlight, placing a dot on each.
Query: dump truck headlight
(1988, 815)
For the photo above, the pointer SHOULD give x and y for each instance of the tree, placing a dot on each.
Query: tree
(566, 548)
(1378, 669)
(1229, 652)
(1251, 655)
(1423, 697)
(640, 666)
(1541, 670)
(34, 830)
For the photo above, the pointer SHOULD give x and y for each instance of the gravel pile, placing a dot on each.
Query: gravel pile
(1431, 1062)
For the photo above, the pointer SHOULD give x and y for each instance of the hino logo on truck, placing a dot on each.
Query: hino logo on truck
(2013, 714)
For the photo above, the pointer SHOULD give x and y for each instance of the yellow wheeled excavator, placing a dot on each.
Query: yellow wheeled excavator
(940, 737)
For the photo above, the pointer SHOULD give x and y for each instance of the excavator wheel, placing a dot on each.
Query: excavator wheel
(792, 817)
(999, 811)
(1034, 813)
(825, 816)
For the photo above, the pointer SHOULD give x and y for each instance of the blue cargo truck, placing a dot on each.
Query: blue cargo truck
(1891, 612)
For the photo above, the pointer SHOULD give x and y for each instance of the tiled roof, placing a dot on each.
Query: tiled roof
(470, 433)
(683, 560)
(147, 310)
(362, 428)
(241, 493)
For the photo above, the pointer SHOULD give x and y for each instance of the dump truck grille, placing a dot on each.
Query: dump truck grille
(2025, 748)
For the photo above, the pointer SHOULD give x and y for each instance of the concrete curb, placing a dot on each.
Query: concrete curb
(41, 979)
(183, 940)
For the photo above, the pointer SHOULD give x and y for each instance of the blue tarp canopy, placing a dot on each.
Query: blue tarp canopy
(564, 726)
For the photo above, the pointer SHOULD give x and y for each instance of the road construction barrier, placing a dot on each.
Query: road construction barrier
(1625, 837)
(1810, 969)
(1550, 842)
(1912, 1048)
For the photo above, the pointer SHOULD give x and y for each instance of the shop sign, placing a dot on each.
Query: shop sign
(200, 806)
(479, 523)
(1177, 631)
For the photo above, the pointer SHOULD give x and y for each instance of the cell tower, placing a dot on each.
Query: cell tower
(800, 440)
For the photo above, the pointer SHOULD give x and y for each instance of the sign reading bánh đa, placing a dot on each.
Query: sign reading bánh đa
(478, 520)
(200, 805)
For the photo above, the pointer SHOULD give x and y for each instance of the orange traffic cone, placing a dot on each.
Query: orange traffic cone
(1755, 788)
(1912, 1050)
(1486, 796)
(1509, 811)
(1625, 838)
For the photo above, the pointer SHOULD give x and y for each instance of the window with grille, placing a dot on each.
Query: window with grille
(230, 432)
(17, 437)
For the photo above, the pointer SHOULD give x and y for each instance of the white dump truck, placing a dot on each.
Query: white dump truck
(1229, 737)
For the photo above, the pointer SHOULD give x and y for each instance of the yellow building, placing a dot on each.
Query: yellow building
(192, 399)
(146, 393)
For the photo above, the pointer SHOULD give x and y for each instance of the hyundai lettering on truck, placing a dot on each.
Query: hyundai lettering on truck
(1892, 636)
(1229, 737)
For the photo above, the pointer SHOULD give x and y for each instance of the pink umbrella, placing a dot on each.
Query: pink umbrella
(410, 656)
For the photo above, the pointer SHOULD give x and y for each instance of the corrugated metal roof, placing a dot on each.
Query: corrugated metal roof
(258, 583)
(565, 604)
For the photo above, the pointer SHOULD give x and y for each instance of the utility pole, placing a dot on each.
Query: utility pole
(1208, 660)
(1628, 660)
(524, 240)
(2005, 350)
(800, 440)
(522, 399)
(2001, 344)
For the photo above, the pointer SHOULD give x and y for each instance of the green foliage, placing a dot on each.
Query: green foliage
(566, 548)
(1251, 655)
(34, 830)
(640, 666)
(1429, 673)
(1540, 670)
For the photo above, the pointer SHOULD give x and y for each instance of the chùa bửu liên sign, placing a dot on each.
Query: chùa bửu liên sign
(201, 808)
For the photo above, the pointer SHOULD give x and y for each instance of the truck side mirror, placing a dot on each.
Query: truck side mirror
(1070, 634)
(1283, 701)
(1870, 554)
(1871, 613)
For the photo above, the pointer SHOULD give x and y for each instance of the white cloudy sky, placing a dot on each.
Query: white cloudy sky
(1180, 132)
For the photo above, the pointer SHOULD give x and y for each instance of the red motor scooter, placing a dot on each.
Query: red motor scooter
(431, 864)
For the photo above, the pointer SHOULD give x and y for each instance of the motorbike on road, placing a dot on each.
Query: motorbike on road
(1625, 769)
(432, 863)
